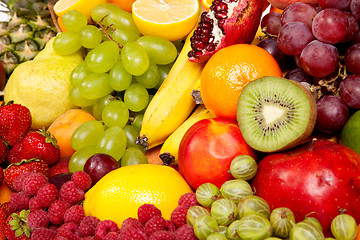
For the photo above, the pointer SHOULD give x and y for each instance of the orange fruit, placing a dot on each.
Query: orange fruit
(5, 193)
(65, 125)
(125, 5)
(61, 25)
(358, 235)
(275, 9)
(228, 71)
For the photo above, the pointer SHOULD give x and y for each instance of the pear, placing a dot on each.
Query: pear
(43, 85)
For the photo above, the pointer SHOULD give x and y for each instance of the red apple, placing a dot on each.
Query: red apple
(207, 149)
(321, 177)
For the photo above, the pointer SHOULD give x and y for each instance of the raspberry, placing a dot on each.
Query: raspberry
(57, 210)
(34, 204)
(33, 183)
(88, 238)
(131, 222)
(70, 193)
(178, 216)
(69, 231)
(147, 211)
(58, 237)
(170, 226)
(88, 225)
(185, 232)
(105, 227)
(38, 219)
(18, 201)
(18, 183)
(155, 224)
(43, 233)
(162, 235)
(112, 236)
(82, 180)
(47, 194)
(133, 233)
(188, 199)
(74, 214)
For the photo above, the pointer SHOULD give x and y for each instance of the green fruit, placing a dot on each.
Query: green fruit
(344, 227)
(253, 205)
(254, 227)
(243, 167)
(350, 133)
(305, 231)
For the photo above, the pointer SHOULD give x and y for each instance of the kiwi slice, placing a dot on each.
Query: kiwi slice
(275, 114)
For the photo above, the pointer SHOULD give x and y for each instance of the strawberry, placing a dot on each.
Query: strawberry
(1, 176)
(62, 166)
(3, 215)
(36, 144)
(16, 169)
(16, 227)
(15, 122)
(4, 151)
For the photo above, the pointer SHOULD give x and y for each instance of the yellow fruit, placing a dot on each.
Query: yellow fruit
(206, 4)
(170, 19)
(83, 6)
(43, 86)
(121, 192)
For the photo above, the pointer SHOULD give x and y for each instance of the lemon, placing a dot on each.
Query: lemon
(206, 4)
(169, 19)
(83, 6)
(43, 85)
(121, 192)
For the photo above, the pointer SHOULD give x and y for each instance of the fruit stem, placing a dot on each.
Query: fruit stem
(312, 144)
(107, 28)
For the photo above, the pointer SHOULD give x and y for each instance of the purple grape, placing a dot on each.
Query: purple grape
(271, 46)
(329, 84)
(330, 25)
(293, 37)
(353, 28)
(332, 114)
(350, 91)
(355, 9)
(352, 59)
(298, 12)
(319, 59)
(59, 179)
(299, 75)
(272, 23)
(339, 4)
(99, 165)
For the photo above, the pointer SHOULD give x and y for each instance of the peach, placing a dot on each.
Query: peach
(65, 125)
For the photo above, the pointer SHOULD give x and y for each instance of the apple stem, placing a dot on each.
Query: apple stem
(342, 210)
(312, 144)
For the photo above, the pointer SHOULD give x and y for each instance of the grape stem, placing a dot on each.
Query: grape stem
(104, 29)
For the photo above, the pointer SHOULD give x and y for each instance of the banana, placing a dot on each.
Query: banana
(172, 103)
(195, 93)
(169, 149)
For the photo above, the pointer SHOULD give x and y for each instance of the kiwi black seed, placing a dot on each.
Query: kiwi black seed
(275, 114)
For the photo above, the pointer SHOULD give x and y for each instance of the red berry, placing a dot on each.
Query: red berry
(146, 212)
(82, 180)
(162, 235)
(34, 204)
(74, 214)
(178, 216)
(188, 199)
(105, 227)
(68, 231)
(4, 151)
(61, 166)
(71, 193)
(43, 233)
(33, 183)
(88, 225)
(47, 194)
(133, 233)
(57, 210)
(112, 236)
(131, 222)
(19, 201)
(38, 219)
(18, 183)
(156, 223)
(185, 232)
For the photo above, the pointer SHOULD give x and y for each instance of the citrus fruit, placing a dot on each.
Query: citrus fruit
(206, 4)
(170, 19)
(83, 6)
(228, 71)
(125, 5)
(64, 126)
(119, 194)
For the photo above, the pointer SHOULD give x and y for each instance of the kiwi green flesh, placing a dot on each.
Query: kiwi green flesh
(275, 114)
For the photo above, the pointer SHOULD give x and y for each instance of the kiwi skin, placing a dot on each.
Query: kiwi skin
(301, 138)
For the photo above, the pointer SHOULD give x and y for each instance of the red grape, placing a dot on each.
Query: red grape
(298, 12)
(355, 9)
(59, 179)
(339, 4)
(332, 113)
(299, 75)
(99, 165)
(271, 46)
(330, 25)
(350, 91)
(352, 59)
(319, 59)
(293, 37)
(353, 28)
(272, 23)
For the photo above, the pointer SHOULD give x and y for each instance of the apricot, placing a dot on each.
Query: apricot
(65, 125)
(153, 156)
(5, 193)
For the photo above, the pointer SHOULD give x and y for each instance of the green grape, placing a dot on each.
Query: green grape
(123, 36)
(120, 79)
(143, 111)
(122, 19)
(137, 122)
(95, 85)
(254, 227)
(103, 57)
(74, 21)
(79, 158)
(134, 58)
(102, 12)
(160, 50)
(99, 105)
(77, 99)
(253, 205)
(150, 78)
(344, 227)
(132, 133)
(207, 193)
(115, 113)
(236, 189)
(136, 97)
(163, 72)
(112, 142)
(133, 156)
(224, 210)
(67, 43)
(86, 134)
(90, 36)
(79, 73)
